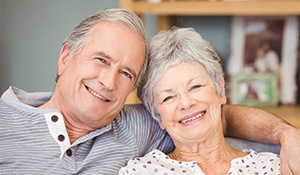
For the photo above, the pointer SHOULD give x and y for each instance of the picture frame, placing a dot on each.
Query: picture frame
(254, 89)
(282, 33)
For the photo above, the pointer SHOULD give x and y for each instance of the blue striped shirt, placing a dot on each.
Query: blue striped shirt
(32, 141)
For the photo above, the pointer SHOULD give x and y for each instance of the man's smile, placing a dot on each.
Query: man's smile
(96, 94)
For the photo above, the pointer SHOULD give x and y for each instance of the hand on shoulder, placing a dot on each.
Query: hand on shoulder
(289, 139)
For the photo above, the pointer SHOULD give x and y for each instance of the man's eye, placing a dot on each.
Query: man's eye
(127, 75)
(102, 60)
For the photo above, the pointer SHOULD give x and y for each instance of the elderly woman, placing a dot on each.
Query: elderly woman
(184, 91)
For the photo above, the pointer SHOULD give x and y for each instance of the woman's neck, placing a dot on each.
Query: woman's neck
(213, 158)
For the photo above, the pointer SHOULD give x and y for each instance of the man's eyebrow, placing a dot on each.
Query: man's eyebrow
(102, 54)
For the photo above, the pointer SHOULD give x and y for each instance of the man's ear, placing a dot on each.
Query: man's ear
(64, 57)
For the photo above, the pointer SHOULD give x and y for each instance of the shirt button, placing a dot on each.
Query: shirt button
(69, 153)
(61, 137)
(54, 118)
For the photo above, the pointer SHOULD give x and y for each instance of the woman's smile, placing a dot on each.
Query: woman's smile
(198, 116)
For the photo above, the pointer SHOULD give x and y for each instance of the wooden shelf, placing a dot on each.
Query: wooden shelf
(166, 9)
(255, 7)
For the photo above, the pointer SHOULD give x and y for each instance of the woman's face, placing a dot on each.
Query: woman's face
(186, 100)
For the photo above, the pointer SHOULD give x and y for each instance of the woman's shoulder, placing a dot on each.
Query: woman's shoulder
(157, 162)
(261, 155)
(256, 162)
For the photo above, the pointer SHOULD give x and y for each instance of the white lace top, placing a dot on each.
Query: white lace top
(158, 163)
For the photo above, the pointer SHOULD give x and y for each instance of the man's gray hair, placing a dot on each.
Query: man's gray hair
(76, 40)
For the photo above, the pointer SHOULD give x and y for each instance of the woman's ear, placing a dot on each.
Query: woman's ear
(162, 126)
(158, 119)
(64, 57)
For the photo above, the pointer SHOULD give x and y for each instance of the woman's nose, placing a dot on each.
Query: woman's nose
(186, 100)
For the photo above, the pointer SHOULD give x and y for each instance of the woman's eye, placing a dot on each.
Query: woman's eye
(167, 99)
(196, 87)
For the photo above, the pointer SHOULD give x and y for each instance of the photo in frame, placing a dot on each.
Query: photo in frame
(267, 45)
(255, 89)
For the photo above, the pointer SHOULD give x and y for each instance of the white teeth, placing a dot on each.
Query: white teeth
(192, 118)
(95, 94)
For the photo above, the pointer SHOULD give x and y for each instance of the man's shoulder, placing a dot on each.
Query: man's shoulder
(136, 115)
(133, 110)
(136, 119)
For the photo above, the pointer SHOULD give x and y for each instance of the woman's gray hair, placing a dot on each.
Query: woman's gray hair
(169, 48)
(76, 40)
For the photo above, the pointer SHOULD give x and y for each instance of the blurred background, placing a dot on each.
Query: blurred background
(32, 31)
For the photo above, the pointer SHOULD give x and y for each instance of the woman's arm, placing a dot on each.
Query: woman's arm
(258, 125)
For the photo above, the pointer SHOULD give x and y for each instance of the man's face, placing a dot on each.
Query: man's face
(94, 85)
